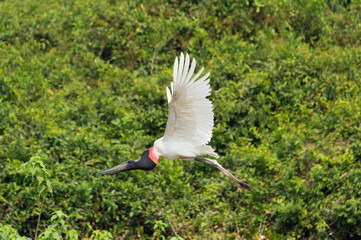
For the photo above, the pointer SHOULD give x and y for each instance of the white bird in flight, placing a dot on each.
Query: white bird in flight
(189, 126)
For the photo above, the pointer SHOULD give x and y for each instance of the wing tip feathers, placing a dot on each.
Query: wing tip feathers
(169, 96)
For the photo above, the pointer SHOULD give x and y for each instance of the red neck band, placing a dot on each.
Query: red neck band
(152, 155)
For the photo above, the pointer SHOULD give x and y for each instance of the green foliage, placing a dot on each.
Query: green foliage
(8, 232)
(58, 227)
(82, 88)
(159, 229)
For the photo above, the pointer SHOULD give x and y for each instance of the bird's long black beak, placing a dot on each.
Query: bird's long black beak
(145, 162)
(120, 168)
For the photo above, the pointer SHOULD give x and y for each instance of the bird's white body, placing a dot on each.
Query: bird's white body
(173, 149)
(190, 120)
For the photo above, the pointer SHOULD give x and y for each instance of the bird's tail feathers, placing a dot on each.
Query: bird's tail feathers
(208, 150)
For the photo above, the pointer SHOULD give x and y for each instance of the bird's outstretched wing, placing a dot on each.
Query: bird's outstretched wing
(190, 116)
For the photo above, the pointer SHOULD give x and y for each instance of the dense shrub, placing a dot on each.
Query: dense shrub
(82, 88)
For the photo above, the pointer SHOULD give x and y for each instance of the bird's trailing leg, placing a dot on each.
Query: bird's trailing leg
(222, 169)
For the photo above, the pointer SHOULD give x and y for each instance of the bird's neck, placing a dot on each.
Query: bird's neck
(152, 155)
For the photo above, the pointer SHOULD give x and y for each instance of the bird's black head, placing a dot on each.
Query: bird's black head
(147, 162)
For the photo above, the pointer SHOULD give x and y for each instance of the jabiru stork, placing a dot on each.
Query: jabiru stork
(189, 126)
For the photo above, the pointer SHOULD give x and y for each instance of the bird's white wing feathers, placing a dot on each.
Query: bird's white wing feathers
(190, 116)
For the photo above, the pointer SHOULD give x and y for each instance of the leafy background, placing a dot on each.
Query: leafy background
(82, 88)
